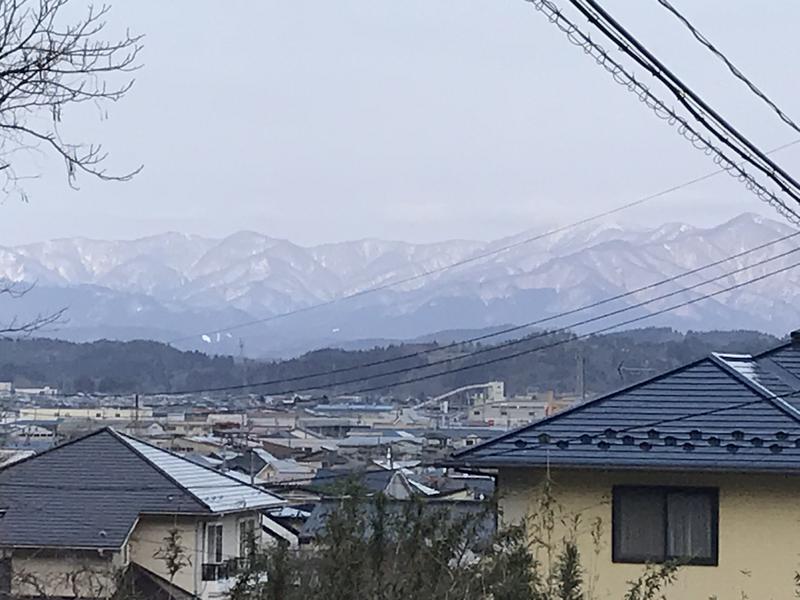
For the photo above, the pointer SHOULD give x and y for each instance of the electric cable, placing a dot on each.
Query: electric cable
(700, 37)
(511, 343)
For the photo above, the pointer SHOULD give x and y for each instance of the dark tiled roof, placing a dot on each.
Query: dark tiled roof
(85, 494)
(88, 493)
(787, 356)
(372, 482)
(245, 461)
(140, 583)
(486, 523)
(707, 415)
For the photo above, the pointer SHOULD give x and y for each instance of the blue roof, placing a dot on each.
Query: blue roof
(354, 408)
(724, 412)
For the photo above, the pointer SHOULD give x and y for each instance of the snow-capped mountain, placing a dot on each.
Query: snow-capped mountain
(180, 286)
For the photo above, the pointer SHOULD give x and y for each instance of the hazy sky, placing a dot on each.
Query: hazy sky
(414, 119)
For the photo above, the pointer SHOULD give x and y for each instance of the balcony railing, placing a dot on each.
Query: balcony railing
(224, 570)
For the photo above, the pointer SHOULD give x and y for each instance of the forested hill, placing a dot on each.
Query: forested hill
(610, 360)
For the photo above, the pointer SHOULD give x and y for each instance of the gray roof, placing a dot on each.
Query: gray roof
(485, 520)
(89, 493)
(139, 582)
(373, 482)
(777, 370)
(724, 412)
(216, 490)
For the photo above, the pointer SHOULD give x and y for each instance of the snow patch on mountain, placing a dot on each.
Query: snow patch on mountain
(182, 285)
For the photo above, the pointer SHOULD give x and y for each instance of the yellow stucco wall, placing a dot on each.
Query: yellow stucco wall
(759, 529)
(147, 539)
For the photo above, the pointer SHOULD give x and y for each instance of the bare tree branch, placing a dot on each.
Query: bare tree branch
(17, 328)
(48, 65)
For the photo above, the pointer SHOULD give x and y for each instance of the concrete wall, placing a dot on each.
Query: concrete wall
(759, 529)
(64, 574)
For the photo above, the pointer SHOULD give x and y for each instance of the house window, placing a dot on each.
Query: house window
(656, 524)
(247, 539)
(214, 543)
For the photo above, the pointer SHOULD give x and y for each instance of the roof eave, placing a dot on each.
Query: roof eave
(61, 548)
(618, 467)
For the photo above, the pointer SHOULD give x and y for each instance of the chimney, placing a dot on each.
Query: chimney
(795, 337)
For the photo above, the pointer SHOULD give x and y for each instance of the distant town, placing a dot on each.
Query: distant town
(304, 433)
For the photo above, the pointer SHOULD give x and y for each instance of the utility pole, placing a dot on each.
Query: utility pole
(243, 362)
(581, 375)
(252, 468)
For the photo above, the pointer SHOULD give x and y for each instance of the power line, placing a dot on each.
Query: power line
(729, 64)
(514, 342)
(526, 325)
(632, 47)
(477, 257)
(583, 336)
(625, 78)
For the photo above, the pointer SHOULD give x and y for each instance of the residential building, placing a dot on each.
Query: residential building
(98, 413)
(393, 484)
(363, 415)
(273, 418)
(36, 391)
(698, 465)
(297, 441)
(485, 527)
(507, 413)
(99, 504)
(227, 419)
(28, 431)
(266, 468)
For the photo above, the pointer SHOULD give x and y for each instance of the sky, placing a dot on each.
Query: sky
(419, 120)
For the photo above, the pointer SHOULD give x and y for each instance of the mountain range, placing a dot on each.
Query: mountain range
(189, 289)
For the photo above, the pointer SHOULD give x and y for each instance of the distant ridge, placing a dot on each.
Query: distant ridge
(172, 285)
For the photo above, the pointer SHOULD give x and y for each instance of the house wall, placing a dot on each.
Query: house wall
(397, 488)
(63, 574)
(759, 529)
(148, 537)
(508, 413)
(274, 419)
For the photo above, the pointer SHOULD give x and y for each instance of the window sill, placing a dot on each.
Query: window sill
(704, 562)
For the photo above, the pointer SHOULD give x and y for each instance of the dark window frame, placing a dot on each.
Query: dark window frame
(618, 557)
